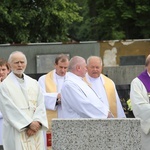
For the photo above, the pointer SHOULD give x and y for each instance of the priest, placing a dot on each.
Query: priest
(140, 101)
(22, 107)
(103, 86)
(51, 84)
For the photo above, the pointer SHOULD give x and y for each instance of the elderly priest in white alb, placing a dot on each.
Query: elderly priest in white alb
(22, 106)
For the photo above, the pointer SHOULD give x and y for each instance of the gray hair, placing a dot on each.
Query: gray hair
(97, 57)
(15, 52)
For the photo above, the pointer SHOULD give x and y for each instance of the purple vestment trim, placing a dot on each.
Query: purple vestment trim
(144, 77)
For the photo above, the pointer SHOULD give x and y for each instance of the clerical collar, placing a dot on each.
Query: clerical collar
(58, 76)
(90, 79)
(20, 79)
(75, 76)
(93, 79)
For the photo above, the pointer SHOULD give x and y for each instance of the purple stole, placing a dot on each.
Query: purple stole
(145, 78)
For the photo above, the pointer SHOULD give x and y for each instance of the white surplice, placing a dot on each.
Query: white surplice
(80, 101)
(51, 98)
(21, 102)
(1, 127)
(97, 85)
(141, 108)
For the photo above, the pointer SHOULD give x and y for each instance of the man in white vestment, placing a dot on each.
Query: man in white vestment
(77, 98)
(103, 86)
(22, 107)
(140, 102)
(51, 85)
(4, 71)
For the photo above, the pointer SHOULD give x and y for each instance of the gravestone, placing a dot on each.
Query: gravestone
(132, 60)
(96, 134)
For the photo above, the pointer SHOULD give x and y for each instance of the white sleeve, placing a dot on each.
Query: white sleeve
(12, 113)
(40, 112)
(77, 100)
(49, 98)
(140, 104)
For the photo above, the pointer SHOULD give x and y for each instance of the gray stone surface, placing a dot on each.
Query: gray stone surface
(132, 60)
(35, 49)
(123, 74)
(96, 134)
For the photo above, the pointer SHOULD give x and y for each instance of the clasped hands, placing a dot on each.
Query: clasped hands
(58, 99)
(33, 128)
(110, 115)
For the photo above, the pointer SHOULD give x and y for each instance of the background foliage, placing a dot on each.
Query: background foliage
(36, 20)
(111, 20)
(25, 21)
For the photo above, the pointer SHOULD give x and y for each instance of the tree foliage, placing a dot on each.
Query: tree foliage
(36, 20)
(110, 20)
(25, 21)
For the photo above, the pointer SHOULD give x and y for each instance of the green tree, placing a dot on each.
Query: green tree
(80, 30)
(25, 21)
(110, 20)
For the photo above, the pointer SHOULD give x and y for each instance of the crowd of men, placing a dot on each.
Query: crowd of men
(76, 88)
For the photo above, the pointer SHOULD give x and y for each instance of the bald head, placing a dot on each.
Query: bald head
(77, 65)
(74, 61)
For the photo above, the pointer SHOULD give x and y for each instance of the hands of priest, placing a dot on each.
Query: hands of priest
(35, 126)
(58, 99)
(30, 132)
(110, 115)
